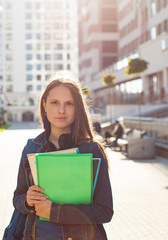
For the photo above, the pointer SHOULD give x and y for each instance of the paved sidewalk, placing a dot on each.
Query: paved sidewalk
(140, 190)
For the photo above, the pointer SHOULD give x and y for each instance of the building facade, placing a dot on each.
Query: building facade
(98, 36)
(143, 33)
(37, 38)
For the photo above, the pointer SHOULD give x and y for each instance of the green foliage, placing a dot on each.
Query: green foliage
(108, 79)
(85, 91)
(135, 66)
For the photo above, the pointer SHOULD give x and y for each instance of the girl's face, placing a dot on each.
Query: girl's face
(60, 108)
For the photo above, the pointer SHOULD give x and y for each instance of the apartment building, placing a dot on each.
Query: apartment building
(37, 38)
(98, 36)
(143, 32)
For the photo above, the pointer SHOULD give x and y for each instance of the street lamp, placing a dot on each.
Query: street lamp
(109, 80)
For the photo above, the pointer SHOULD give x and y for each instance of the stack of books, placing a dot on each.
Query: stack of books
(66, 176)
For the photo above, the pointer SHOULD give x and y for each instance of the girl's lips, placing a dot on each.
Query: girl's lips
(61, 118)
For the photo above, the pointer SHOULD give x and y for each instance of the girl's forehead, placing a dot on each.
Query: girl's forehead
(60, 92)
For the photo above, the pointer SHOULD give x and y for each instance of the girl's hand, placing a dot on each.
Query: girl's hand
(43, 210)
(35, 196)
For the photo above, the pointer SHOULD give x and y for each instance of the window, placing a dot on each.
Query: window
(38, 77)
(153, 33)
(165, 25)
(58, 56)
(58, 46)
(47, 16)
(38, 5)
(28, 5)
(38, 16)
(29, 77)
(28, 36)
(109, 27)
(58, 26)
(38, 46)
(109, 14)
(47, 46)
(57, 5)
(164, 43)
(28, 16)
(47, 26)
(38, 56)
(58, 67)
(8, 26)
(29, 88)
(109, 46)
(38, 26)
(47, 67)
(9, 88)
(29, 67)
(1, 78)
(8, 5)
(47, 57)
(28, 46)
(38, 66)
(9, 67)
(68, 56)
(47, 77)
(28, 26)
(58, 36)
(29, 57)
(108, 61)
(46, 5)
(159, 29)
(8, 36)
(38, 36)
(153, 8)
(39, 87)
(68, 66)
(9, 46)
(9, 57)
(47, 36)
(58, 15)
(9, 78)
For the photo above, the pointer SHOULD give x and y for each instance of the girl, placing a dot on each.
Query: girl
(66, 121)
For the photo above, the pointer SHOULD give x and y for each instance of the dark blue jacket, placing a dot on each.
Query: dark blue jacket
(79, 222)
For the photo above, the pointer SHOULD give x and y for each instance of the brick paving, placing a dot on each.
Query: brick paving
(140, 190)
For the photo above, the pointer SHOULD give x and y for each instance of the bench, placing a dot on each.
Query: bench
(122, 143)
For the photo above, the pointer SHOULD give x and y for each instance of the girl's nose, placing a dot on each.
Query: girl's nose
(61, 108)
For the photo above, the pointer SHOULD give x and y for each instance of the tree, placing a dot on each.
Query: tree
(135, 66)
(109, 80)
(85, 90)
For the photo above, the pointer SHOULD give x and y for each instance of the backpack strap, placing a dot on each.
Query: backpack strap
(30, 148)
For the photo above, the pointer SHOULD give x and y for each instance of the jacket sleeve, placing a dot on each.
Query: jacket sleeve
(100, 211)
(19, 198)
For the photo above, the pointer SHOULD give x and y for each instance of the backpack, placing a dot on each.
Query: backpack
(14, 231)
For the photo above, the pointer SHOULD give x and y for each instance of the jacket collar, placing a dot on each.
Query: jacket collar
(41, 138)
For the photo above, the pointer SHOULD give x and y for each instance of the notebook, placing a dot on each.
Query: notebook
(32, 160)
(66, 178)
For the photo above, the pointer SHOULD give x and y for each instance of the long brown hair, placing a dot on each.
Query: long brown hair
(82, 128)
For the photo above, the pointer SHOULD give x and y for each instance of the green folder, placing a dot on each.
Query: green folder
(66, 178)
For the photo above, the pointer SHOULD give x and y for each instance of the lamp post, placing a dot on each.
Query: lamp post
(109, 80)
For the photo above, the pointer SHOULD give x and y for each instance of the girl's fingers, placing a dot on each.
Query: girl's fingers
(44, 197)
(36, 188)
(35, 202)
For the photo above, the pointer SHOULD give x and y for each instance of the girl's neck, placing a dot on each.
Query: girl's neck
(55, 134)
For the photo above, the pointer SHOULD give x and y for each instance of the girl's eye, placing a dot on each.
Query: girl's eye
(70, 103)
(54, 102)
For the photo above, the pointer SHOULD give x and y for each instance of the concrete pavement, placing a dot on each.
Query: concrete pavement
(140, 189)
